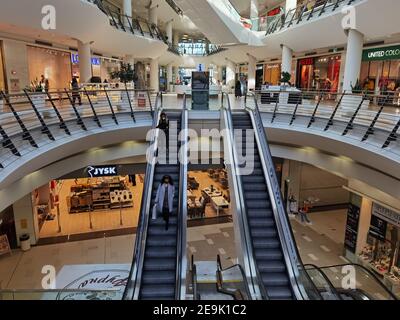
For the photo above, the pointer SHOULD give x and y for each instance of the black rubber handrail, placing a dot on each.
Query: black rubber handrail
(328, 281)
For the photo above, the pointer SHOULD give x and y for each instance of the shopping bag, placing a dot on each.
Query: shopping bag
(154, 214)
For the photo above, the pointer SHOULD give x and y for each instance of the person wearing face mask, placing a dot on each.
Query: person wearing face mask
(164, 126)
(165, 199)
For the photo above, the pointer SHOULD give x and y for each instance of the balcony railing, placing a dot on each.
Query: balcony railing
(29, 121)
(126, 23)
(341, 112)
(199, 50)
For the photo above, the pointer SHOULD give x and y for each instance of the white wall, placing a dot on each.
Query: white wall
(24, 217)
(16, 63)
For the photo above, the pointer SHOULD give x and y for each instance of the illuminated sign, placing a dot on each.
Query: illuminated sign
(75, 59)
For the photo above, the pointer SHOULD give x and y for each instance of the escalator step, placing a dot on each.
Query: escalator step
(268, 254)
(272, 267)
(159, 277)
(258, 204)
(256, 195)
(160, 252)
(273, 279)
(280, 293)
(257, 187)
(160, 231)
(159, 264)
(157, 292)
(263, 222)
(253, 179)
(257, 213)
(259, 232)
(262, 243)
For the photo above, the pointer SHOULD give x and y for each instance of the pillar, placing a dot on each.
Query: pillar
(219, 76)
(290, 5)
(169, 77)
(168, 29)
(26, 220)
(153, 15)
(230, 74)
(254, 14)
(355, 43)
(154, 75)
(251, 86)
(127, 9)
(85, 62)
(287, 55)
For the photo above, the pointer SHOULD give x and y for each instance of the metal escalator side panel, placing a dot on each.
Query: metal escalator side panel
(131, 291)
(182, 213)
(288, 245)
(241, 227)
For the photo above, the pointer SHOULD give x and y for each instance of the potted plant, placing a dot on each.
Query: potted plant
(285, 80)
(125, 74)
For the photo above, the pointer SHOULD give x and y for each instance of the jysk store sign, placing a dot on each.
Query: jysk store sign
(101, 171)
(380, 54)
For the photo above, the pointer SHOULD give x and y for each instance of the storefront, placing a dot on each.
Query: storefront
(381, 252)
(54, 65)
(380, 72)
(102, 200)
(319, 73)
(101, 67)
(2, 73)
(272, 74)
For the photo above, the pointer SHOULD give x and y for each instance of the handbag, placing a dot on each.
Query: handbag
(154, 213)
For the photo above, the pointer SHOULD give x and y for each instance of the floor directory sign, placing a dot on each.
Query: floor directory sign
(353, 219)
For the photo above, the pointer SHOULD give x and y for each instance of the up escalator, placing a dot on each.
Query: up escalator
(266, 243)
(158, 264)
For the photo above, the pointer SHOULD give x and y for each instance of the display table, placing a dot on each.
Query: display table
(219, 203)
(274, 94)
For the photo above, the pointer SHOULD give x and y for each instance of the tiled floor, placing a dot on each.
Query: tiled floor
(23, 270)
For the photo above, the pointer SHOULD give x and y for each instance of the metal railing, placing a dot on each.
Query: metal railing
(193, 269)
(253, 275)
(133, 287)
(365, 281)
(33, 119)
(302, 284)
(305, 12)
(236, 294)
(181, 262)
(196, 50)
(127, 23)
(369, 111)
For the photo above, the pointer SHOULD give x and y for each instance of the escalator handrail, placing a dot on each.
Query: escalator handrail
(328, 281)
(193, 269)
(132, 288)
(289, 247)
(222, 270)
(253, 277)
(235, 294)
(182, 212)
(369, 272)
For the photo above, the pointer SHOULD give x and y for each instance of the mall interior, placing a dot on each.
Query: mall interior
(275, 176)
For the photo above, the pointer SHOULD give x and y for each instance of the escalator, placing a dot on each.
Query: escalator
(266, 243)
(158, 268)
(270, 256)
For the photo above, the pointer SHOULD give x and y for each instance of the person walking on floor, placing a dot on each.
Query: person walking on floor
(75, 91)
(303, 213)
(165, 199)
(238, 89)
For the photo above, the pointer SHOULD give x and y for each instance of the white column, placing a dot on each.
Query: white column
(154, 75)
(85, 61)
(168, 29)
(153, 16)
(254, 13)
(169, 77)
(287, 55)
(219, 70)
(230, 73)
(290, 4)
(26, 220)
(355, 43)
(252, 73)
(127, 8)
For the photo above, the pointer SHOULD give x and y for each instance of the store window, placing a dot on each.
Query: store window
(272, 74)
(2, 77)
(53, 64)
(381, 252)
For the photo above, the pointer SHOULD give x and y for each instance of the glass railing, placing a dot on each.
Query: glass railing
(60, 295)
(199, 50)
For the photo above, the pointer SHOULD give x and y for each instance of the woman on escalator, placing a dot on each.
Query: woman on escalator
(165, 199)
(164, 126)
